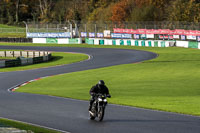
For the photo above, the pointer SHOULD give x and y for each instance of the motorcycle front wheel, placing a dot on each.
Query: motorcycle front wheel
(100, 113)
(93, 110)
(91, 116)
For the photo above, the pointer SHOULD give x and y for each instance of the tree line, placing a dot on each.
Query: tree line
(59, 11)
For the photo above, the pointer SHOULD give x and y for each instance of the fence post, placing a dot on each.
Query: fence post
(47, 27)
(95, 29)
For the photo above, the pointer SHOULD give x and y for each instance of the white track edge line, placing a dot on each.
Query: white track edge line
(36, 125)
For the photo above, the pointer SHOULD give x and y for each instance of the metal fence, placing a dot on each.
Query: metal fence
(101, 26)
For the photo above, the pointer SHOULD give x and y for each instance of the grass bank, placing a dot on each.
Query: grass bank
(23, 126)
(59, 58)
(12, 31)
(169, 82)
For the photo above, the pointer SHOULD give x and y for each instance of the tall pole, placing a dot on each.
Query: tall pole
(26, 28)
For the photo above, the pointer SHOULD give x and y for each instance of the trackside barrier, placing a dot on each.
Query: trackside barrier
(37, 60)
(12, 63)
(144, 43)
(2, 64)
(193, 45)
(90, 41)
(23, 53)
(37, 57)
(16, 40)
(182, 44)
(126, 42)
(26, 61)
(58, 40)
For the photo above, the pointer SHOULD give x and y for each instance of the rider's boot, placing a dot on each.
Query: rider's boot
(90, 107)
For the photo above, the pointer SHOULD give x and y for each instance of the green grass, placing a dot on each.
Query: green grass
(7, 26)
(12, 31)
(169, 82)
(23, 126)
(12, 35)
(7, 58)
(59, 58)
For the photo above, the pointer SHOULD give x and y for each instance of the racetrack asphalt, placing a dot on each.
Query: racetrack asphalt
(68, 115)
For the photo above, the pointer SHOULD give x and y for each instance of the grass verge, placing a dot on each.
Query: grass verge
(23, 126)
(59, 58)
(13, 35)
(169, 82)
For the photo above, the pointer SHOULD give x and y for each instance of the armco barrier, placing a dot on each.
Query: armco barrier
(20, 40)
(12, 63)
(37, 60)
(27, 61)
(2, 64)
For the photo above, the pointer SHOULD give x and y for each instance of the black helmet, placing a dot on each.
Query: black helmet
(101, 82)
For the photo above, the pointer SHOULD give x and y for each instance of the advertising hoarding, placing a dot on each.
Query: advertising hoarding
(100, 35)
(107, 33)
(83, 34)
(92, 35)
(49, 35)
(183, 37)
(198, 38)
(118, 35)
(191, 37)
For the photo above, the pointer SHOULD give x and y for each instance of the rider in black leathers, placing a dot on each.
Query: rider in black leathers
(98, 88)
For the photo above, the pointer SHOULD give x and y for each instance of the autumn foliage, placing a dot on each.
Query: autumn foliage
(14, 11)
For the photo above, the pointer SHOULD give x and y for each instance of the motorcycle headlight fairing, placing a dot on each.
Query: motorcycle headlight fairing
(100, 99)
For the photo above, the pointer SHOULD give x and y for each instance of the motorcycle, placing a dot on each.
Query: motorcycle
(98, 107)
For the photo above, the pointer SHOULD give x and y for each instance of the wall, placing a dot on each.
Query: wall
(58, 40)
(34, 57)
(145, 43)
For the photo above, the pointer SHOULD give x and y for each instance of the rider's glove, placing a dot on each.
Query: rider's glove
(93, 94)
(108, 95)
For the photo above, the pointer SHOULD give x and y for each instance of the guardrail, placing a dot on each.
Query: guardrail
(32, 57)
(17, 40)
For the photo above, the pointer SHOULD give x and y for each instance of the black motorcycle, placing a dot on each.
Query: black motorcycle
(98, 107)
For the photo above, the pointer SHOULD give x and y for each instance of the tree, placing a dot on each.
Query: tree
(182, 10)
(120, 11)
(46, 7)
